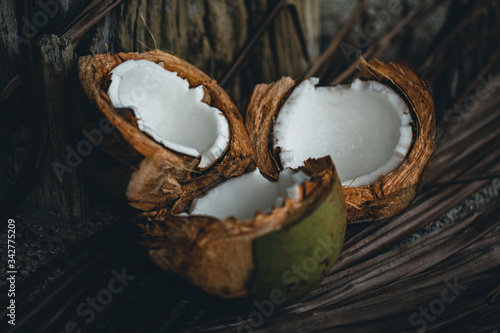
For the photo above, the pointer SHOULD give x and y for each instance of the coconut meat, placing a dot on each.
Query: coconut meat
(169, 110)
(364, 127)
(243, 196)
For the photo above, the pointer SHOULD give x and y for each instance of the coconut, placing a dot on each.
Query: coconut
(379, 131)
(254, 238)
(180, 152)
(176, 132)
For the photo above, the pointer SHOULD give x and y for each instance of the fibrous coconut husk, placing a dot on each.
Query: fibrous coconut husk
(231, 258)
(393, 192)
(137, 169)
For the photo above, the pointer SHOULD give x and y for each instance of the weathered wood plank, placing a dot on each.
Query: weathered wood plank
(60, 187)
(9, 51)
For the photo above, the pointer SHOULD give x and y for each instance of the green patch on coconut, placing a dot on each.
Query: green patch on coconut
(234, 258)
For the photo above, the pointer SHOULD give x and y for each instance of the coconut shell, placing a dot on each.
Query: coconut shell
(258, 259)
(393, 192)
(133, 167)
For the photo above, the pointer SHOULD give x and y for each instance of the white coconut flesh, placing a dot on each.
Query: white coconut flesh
(243, 196)
(364, 127)
(169, 110)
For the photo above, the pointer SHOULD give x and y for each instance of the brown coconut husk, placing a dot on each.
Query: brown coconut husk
(393, 192)
(131, 165)
(221, 256)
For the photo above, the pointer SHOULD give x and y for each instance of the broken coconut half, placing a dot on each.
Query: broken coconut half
(170, 111)
(175, 130)
(254, 238)
(379, 130)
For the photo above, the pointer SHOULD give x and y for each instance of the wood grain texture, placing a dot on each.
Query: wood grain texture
(9, 52)
(62, 192)
(210, 33)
